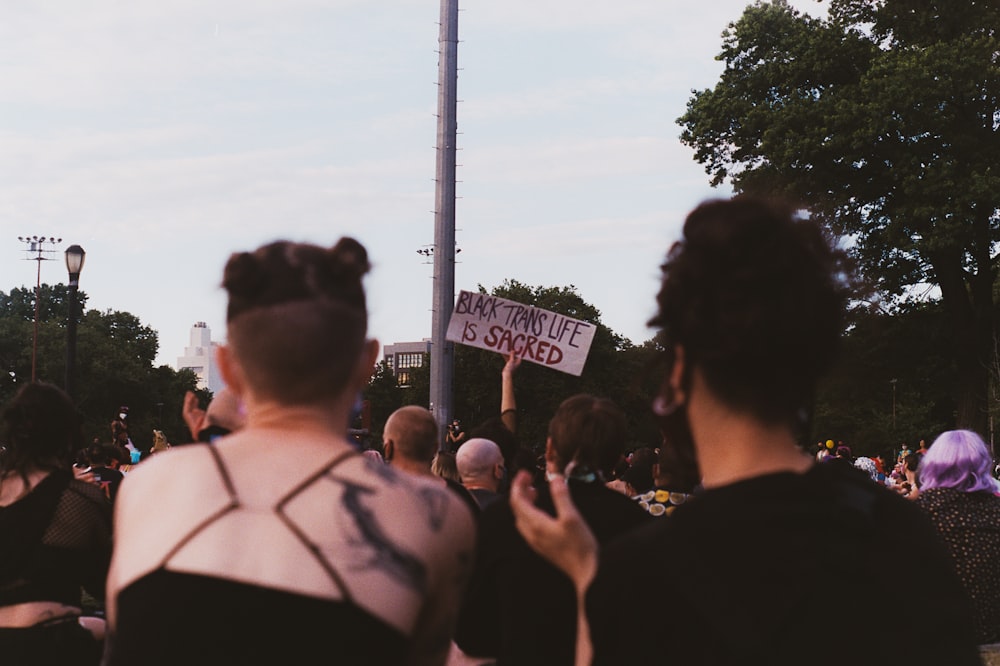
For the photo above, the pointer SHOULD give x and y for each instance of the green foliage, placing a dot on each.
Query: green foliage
(115, 356)
(384, 396)
(882, 119)
(892, 384)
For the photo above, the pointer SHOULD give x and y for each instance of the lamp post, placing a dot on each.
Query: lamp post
(74, 264)
(893, 382)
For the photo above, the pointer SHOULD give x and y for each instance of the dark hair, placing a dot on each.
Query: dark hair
(102, 455)
(588, 431)
(41, 430)
(297, 317)
(756, 298)
(639, 474)
(911, 461)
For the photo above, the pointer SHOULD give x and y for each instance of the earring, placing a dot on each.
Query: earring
(663, 408)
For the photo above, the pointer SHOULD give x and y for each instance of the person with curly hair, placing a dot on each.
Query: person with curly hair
(751, 311)
(284, 543)
(56, 535)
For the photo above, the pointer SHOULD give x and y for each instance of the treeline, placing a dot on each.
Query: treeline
(115, 364)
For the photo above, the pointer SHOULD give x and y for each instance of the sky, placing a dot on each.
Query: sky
(163, 136)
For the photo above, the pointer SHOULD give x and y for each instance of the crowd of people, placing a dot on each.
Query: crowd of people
(273, 538)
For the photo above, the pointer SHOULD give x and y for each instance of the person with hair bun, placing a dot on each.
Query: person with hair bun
(282, 543)
(959, 493)
(751, 310)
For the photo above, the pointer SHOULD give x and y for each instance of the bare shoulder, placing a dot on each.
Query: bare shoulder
(171, 473)
(161, 499)
(410, 497)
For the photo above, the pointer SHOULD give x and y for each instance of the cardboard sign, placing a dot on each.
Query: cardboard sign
(546, 338)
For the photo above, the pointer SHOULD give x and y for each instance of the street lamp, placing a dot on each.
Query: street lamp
(74, 264)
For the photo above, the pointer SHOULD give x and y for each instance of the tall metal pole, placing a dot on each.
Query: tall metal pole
(442, 351)
(35, 245)
(38, 298)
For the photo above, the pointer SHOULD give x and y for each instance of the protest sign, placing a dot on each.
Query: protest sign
(540, 336)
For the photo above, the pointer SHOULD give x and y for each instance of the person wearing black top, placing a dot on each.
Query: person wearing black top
(283, 543)
(751, 310)
(55, 532)
(519, 609)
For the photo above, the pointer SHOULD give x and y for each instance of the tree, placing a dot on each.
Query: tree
(892, 383)
(882, 119)
(115, 356)
(383, 394)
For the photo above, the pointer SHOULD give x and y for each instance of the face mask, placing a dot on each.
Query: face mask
(122, 416)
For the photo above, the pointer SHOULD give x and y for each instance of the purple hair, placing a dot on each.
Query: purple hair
(957, 459)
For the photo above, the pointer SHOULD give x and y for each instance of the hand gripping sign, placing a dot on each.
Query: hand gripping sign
(490, 322)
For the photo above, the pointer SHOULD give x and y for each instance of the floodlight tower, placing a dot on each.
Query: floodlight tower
(35, 250)
(442, 351)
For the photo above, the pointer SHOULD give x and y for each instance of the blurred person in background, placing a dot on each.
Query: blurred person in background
(56, 535)
(959, 493)
(751, 310)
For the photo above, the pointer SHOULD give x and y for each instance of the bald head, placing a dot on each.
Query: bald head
(412, 435)
(480, 463)
(226, 411)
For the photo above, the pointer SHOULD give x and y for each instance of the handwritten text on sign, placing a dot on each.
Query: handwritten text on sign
(496, 324)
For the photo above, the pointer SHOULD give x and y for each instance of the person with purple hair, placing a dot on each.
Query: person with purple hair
(959, 493)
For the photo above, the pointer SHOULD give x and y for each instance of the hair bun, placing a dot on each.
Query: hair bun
(244, 276)
(286, 272)
(349, 257)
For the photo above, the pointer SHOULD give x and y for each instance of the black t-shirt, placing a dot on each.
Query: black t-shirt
(519, 608)
(782, 569)
(467, 497)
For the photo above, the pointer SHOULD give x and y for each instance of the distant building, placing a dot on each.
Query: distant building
(199, 357)
(402, 356)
